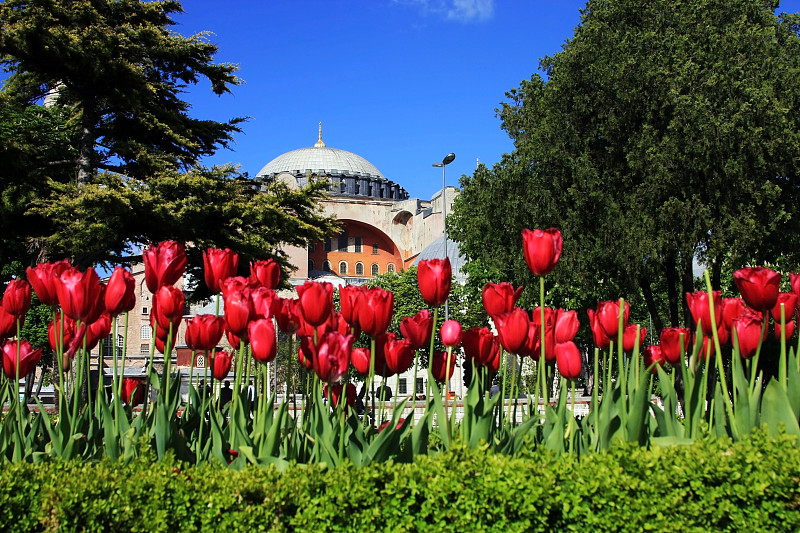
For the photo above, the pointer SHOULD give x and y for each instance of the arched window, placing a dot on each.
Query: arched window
(359, 269)
(375, 269)
(357, 244)
(310, 265)
(146, 332)
(343, 268)
(326, 266)
(390, 267)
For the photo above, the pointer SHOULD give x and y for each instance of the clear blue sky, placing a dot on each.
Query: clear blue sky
(399, 82)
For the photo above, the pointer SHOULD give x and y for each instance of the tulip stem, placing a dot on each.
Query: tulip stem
(542, 337)
(447, 393)
(503, 373)
(720, 369)
(782, 370)
(59, 358)
(16, 384)
(513, 386)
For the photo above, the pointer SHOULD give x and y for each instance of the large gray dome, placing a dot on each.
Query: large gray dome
(320, 160)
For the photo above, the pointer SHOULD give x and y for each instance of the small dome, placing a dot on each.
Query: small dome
(320, 160)
(435, 250)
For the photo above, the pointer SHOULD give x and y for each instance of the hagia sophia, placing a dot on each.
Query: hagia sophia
(383, 228)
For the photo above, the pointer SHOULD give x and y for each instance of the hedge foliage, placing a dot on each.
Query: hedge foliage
(712, 484)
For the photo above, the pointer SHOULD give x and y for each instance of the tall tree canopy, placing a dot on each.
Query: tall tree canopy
(99, 152)
(663, 131)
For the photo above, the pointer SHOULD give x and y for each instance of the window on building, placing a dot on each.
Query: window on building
(146, 332)
(312, 247)
(326, 266)
(144, 348)
(343, 241)
(420, 386)
(402, 387)
(327, 246)
(390, 267)
(359, 269)
(343, 268)
(375, 269)
(375, 249)
(357, 244)
(144, 310)
(310, 265)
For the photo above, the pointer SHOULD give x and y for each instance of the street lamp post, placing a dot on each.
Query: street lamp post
(446, 161)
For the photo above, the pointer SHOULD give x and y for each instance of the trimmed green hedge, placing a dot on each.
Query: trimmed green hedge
(716, 485)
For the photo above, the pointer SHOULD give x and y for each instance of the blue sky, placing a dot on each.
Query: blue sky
(399, 82)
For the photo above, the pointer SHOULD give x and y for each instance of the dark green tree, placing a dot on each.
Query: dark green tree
(663, 131)
(100, 154)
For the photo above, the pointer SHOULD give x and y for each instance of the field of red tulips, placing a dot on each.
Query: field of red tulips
(709, 381)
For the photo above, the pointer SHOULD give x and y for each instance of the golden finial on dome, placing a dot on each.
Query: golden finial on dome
(320, 144)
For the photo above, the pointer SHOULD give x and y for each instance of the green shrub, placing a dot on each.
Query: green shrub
(712, 484)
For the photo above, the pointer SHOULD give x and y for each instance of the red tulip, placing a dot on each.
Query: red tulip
(375, 309)
(42, 278)
(699, 306)
(238, 305)
(336, 393)
(731, 308)
(8, 324)
(789, 301)
(28, 358)
(265, 302)
(608, 316)
(418, 329)
(333, 356)
(794, 280)
(389, 422)
(120, 292)
(218, 265)
(79, 294)
(203, 332)
(790, 326)
(567, 325)
(500, 297)
(234, 340)
(532, 347)
(542, 249)
(512, 329)
(222, 365)
(307, 352)
(168, 306)
(671, 347)
(17, 297)
(348, 302)
(98, 330)
(450, 333)
(360, 357)
(434, 277)
(133, 391)
(60, 331)
(568, 359)
(652, 355)
(162, 340)
(759, 287)
(263, 342)
(397, 353)
(629, 338)
(487, 350)
(164, 264)
(748, 333)
(315, 301)
(440, 369)
(550, 316)
(707, 348)
(267, 273)
(286, 315)
(601, 340)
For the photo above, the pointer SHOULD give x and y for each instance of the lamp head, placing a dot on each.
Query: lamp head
(448, 158)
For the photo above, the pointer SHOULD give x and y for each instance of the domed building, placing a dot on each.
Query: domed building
(383, 229)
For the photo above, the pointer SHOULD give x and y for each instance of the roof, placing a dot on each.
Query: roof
(320, 160)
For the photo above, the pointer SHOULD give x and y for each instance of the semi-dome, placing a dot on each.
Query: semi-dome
(350, 174)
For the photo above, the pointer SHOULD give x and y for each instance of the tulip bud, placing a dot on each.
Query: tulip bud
(451, 333)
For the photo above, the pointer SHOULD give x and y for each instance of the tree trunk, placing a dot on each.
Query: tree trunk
(647, 292)
(86, 145)
(687, 284)
(672, 289)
